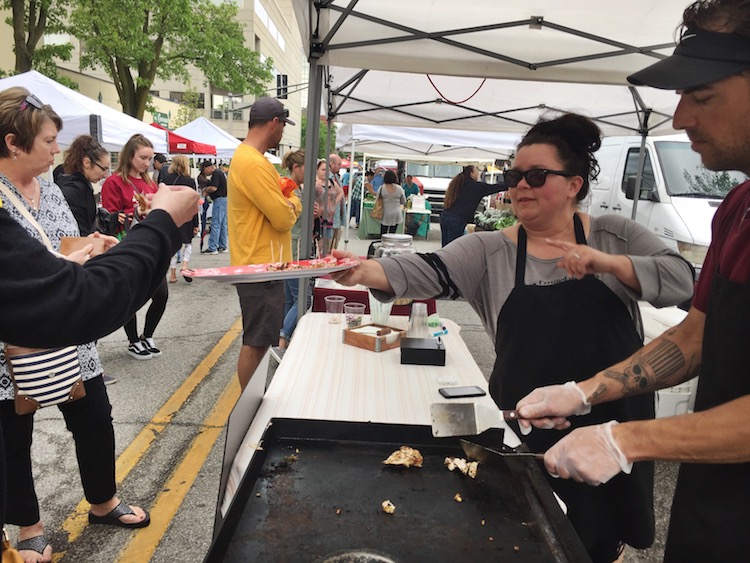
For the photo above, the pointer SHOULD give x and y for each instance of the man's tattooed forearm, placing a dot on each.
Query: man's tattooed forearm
(647, 368)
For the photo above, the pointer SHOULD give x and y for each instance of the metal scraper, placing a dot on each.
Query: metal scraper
(466, 419)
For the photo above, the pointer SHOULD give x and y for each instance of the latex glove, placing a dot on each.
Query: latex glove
(587, 455)
(548, 407)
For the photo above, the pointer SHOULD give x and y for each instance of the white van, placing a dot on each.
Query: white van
(679, 196)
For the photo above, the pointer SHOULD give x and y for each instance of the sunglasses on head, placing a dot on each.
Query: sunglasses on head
(30, 101)
(535, 178)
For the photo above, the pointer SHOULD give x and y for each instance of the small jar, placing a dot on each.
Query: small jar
(393, 244)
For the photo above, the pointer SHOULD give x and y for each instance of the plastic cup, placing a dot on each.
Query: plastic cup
(353, 313)
(334, 308)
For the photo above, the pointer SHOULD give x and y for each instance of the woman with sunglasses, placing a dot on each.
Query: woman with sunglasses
(462, 197)
(86, 163)
(558, 293)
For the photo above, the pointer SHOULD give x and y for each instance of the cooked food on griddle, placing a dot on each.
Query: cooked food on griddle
(466, 467)
(388, 507)
(405, 456)
(458, 498)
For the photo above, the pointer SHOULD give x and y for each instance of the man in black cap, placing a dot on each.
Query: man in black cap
(160, 167)
(217, 191)
(710, 70)
(261, 218)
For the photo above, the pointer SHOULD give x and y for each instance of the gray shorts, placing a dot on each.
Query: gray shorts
(262, 306)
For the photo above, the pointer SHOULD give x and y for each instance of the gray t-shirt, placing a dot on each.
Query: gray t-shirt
(392, 203)
(481, 268)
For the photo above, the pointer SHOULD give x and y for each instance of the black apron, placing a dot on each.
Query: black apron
(569, 331)
(712, 501)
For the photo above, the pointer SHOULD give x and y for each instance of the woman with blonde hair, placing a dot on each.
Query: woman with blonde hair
(179, 174)
(125, 191)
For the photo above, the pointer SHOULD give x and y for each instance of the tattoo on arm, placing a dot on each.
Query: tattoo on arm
(648, 368)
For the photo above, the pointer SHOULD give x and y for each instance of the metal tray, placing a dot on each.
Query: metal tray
(314, 493)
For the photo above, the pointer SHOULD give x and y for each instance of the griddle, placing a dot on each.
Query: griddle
(314, 493)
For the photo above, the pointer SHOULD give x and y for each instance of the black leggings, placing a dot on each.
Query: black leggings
(153, 315)
(388, 229)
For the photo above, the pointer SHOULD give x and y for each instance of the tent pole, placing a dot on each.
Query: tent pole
(640, 106)
(349, 199)
(308, 193)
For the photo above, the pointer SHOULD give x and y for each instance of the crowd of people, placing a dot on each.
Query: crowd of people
(559, 281)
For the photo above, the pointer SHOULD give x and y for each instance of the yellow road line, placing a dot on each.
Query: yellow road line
(145, 541)
(77, 520)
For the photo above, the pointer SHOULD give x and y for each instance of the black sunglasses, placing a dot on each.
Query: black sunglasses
(30, 101)
(536, 177)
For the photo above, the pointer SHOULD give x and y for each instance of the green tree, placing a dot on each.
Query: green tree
(30, 21)
(138, 40)
(322, 136)
(189, 109)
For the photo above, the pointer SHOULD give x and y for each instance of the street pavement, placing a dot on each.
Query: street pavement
(170, 417)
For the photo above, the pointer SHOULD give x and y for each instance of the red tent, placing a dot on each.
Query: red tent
(182, 145)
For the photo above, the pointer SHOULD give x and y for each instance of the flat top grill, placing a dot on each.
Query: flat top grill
(314, 493)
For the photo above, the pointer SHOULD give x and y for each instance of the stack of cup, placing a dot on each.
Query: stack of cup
(380, 312)
(418, 321)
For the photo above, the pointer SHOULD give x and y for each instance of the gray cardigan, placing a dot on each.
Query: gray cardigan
(482, 268)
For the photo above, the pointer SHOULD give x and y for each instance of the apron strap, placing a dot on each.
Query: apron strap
(521, 251)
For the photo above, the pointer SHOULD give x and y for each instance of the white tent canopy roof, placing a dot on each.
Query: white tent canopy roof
(493, 68)
(77, 112)
(542, 40)
(201, 129)
(426, 144)
(207, 132)
(418, 100)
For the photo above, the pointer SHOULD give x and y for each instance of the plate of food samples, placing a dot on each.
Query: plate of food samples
(253, 273)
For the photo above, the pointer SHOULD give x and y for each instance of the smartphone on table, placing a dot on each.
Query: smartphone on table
(460, 392)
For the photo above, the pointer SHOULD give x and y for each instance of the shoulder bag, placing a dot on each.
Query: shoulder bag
(42, 377)
(377, 210)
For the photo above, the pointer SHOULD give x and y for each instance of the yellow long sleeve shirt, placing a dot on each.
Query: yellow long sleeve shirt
(259, 216)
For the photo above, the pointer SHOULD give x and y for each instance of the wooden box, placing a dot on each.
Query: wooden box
(367, 337)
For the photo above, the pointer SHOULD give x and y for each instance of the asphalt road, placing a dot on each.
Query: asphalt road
(170, 415)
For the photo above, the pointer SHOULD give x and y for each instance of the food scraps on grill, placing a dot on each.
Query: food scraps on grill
(405, 456)
(388, 507)
(458, 498)
(466, 467)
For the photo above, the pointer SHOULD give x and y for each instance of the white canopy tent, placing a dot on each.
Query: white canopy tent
(568, 49)
(83, 116)
(426, 144)
(203, 129)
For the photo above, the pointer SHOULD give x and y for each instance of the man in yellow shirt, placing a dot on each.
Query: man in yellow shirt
(260, 222)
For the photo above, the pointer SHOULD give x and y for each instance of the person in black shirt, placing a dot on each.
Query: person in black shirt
(464, 193)
(217, 190)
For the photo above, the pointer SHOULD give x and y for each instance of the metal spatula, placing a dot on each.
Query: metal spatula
(465, 419)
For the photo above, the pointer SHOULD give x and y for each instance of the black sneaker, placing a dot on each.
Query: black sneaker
(138, 351)
(149, 344)
(108, 379)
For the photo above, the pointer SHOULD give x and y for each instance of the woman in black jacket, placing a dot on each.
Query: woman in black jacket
(179, 174)
(86, 163)
(461, 200)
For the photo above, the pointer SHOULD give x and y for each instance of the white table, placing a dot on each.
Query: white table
(322, 378)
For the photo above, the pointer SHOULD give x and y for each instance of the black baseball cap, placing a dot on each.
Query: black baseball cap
(205, 164)
(158, 157)
(701, 57)
(265, 109)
